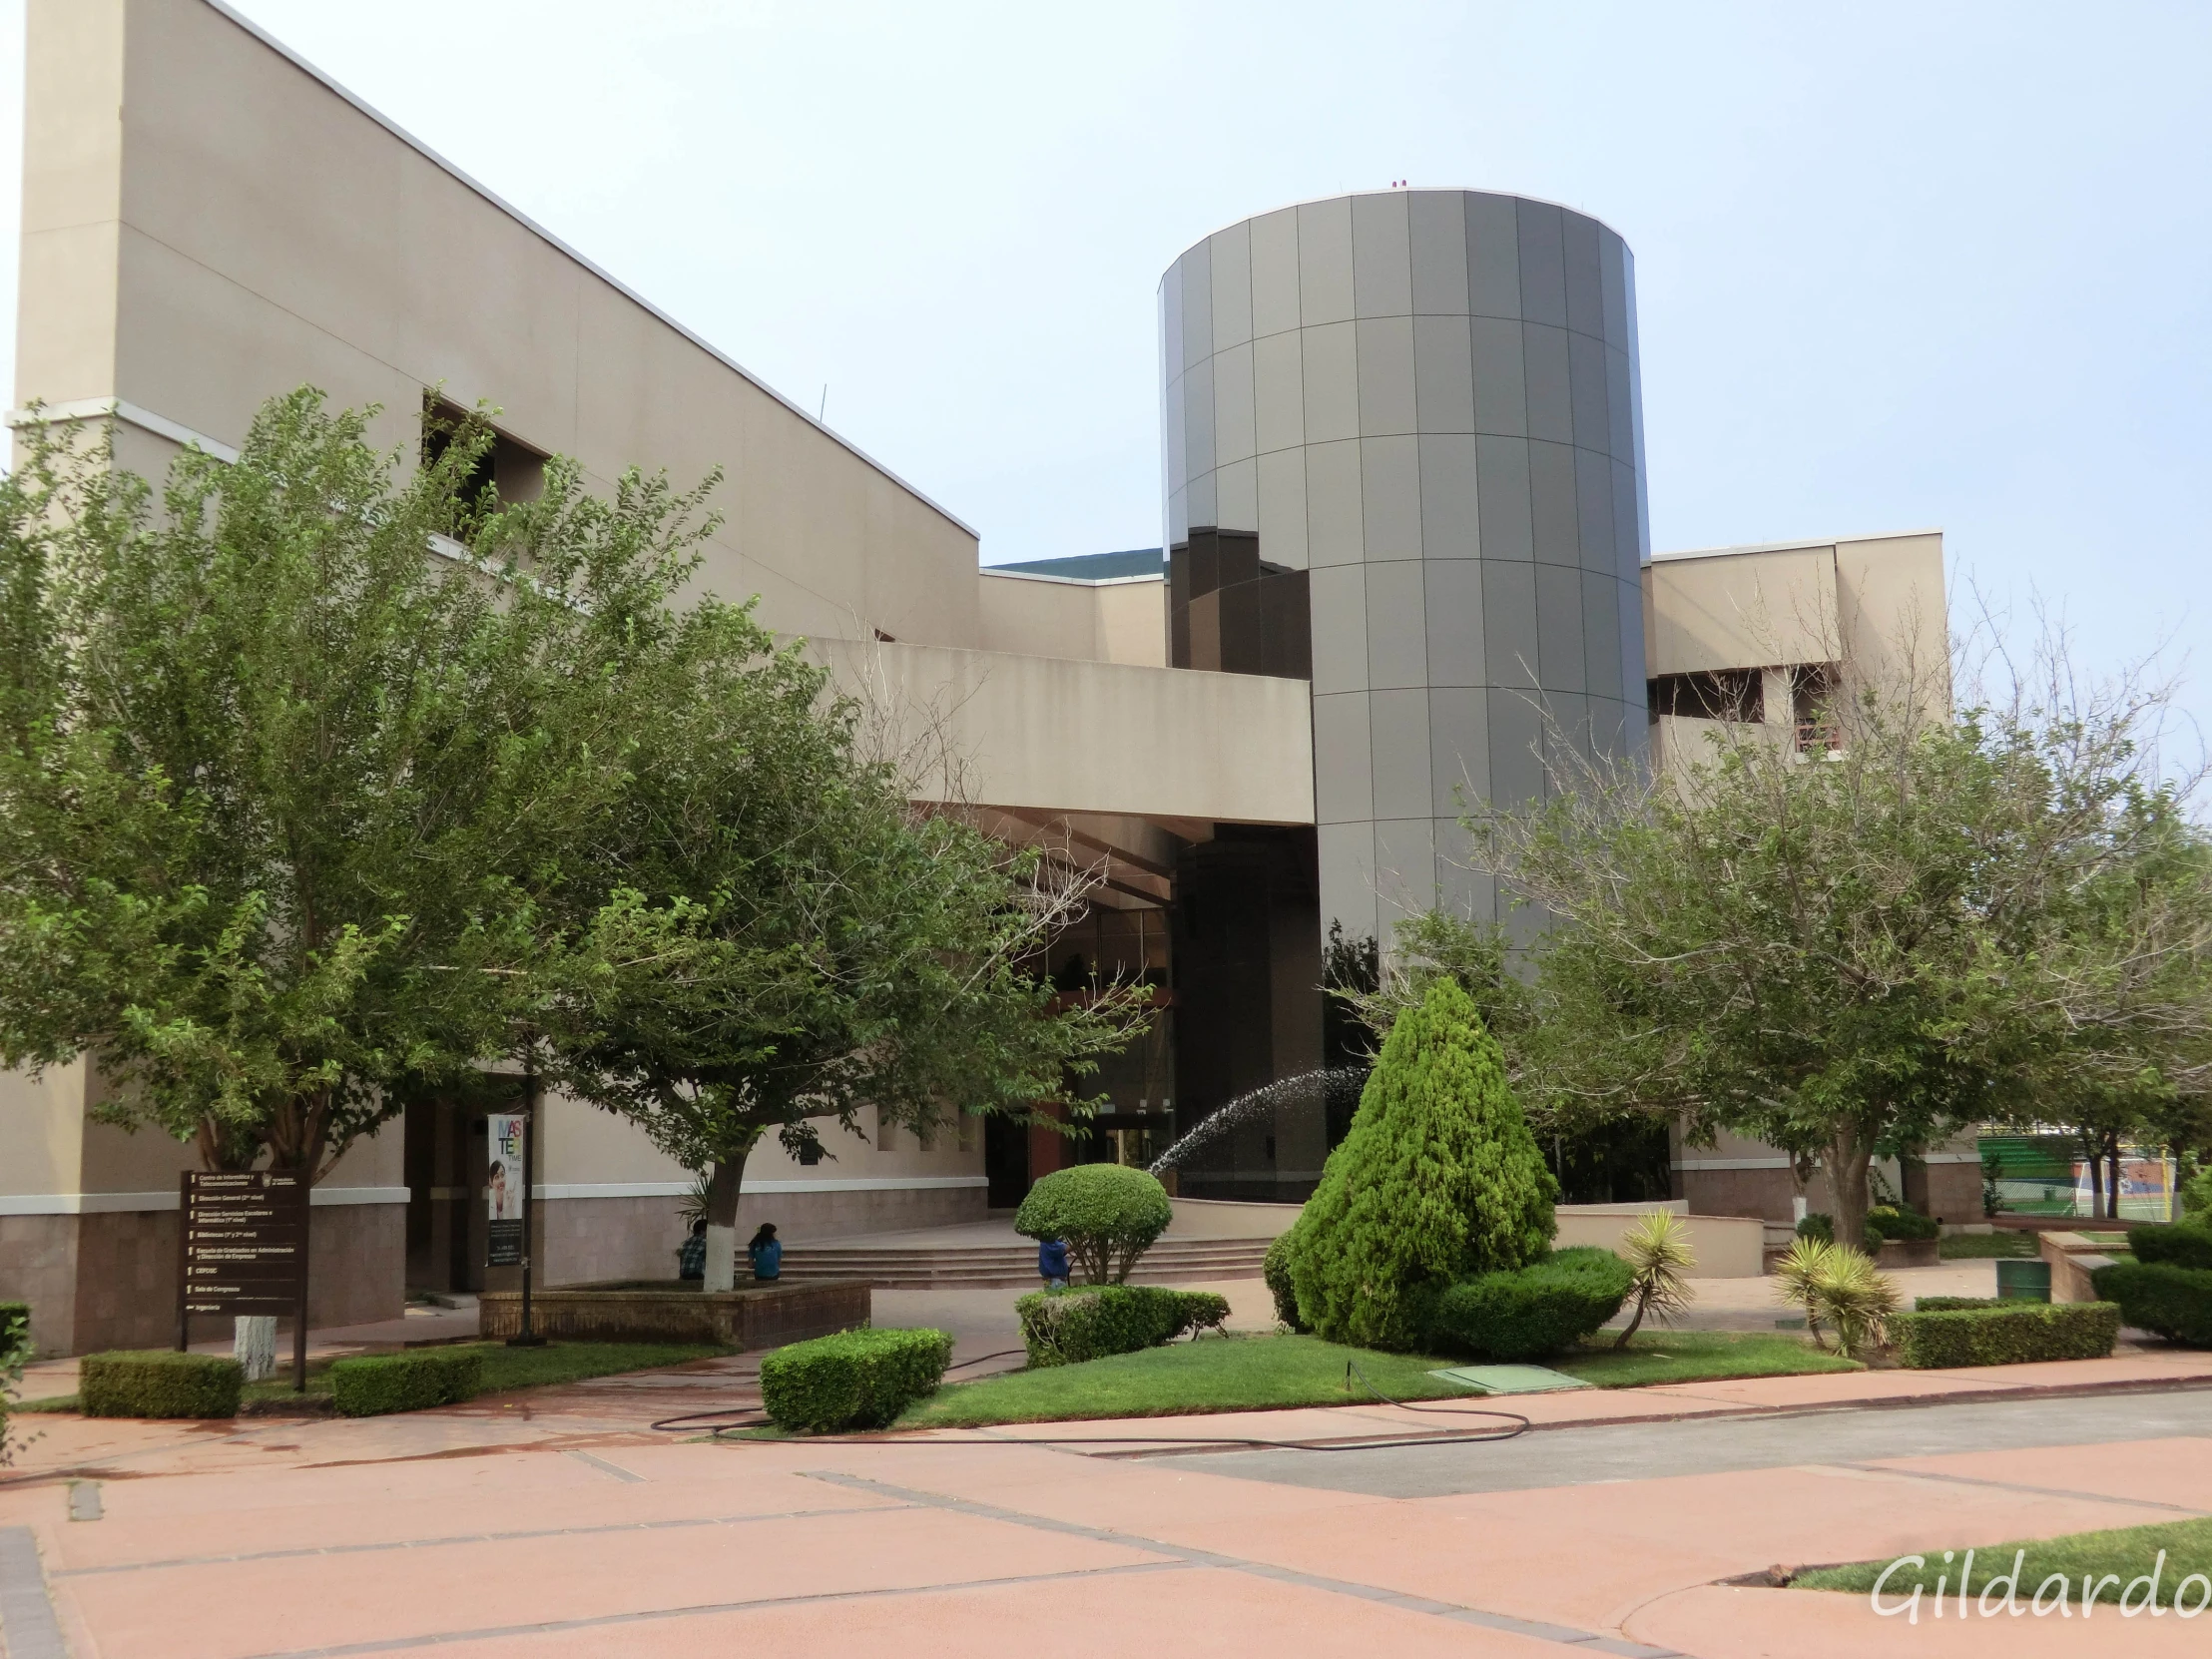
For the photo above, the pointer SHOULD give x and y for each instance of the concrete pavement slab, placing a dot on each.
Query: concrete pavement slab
(1723, 1622)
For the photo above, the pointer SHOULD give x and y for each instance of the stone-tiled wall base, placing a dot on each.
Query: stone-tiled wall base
(591, 1238)
(358, 1264)
(38, 1265)
(1765, 1193)
(838, 1214)
(109, 1280)
(1949, 1192)
(756, 1316)
(126, 1281)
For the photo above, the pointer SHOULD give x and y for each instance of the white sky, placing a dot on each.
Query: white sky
(1900, 265)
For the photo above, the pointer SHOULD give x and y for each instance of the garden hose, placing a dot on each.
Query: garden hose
(711, 1424)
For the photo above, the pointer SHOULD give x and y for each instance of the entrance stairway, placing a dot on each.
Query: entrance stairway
(950, 1267)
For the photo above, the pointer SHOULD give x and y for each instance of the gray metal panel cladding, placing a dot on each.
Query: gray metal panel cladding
(1445, 397)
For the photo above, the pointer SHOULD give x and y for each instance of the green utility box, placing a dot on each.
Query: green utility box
(2023, 1280)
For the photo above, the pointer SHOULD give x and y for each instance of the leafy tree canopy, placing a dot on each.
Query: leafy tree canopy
(1863, 948)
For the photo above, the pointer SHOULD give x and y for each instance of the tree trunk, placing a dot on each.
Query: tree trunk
(1848, 1163)
(1636, 1319)
(722, 1222)
(2112, 1175)
(2096, 1178)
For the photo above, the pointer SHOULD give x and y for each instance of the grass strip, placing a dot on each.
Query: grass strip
(1697, 1357)
(1236, 1372)
(2127, 1554)
(1250, 1373)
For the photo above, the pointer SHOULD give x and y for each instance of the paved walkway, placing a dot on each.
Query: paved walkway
(557, 1525)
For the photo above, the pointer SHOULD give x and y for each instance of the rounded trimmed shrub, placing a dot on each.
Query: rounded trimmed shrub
(2184, 1245)
(1067, 1327)
(1107, 1215)
(1534, 1310)
(2174, 1302)
(853, 1379)
(1438, 1181)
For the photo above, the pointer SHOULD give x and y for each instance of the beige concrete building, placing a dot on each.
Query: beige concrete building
(209, 221)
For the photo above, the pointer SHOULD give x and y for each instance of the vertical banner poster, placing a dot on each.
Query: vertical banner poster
(503, 1188)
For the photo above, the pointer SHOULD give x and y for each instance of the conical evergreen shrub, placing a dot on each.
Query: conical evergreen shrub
(1437, 1180)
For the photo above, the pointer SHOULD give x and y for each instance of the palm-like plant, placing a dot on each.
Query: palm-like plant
(1836, 1285)
(1657, 1250)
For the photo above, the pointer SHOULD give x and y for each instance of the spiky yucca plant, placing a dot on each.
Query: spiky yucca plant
(1657, 1250)
(1836, 1285)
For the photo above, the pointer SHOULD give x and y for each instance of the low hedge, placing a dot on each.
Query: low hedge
(157, 1382)
(2188, 1244)
(1276, 1269)
(853, 1379)
(1067, 1327)
(1958, 1304)
(376, 1385)
(2173, 1301)
(2003, 1334)
(1892, 1221)
(1532, 1310)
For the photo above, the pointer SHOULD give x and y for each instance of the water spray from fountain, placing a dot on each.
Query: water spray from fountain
(1328, 1087)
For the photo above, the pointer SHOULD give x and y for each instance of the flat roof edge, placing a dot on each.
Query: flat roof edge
(547, 237)
(1066, 581)
(1804, 544)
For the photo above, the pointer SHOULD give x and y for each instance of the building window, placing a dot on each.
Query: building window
(508, 471)
(1735, 694)
(1812, 695)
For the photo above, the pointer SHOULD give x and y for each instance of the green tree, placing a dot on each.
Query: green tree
(1858, 948)
(761, 933)
(274, 781)
(1437, 1180)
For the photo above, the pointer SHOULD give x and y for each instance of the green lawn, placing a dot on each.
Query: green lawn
(1697, 1357)
(2006, 1246)
(1213, 1374)
(504, 1367)
(1259, 1372)
(2127, 1554)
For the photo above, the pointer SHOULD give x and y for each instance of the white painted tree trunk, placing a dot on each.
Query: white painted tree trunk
(254, 1344)
(722, 1224)
(1797, 1208)
(722, 1258)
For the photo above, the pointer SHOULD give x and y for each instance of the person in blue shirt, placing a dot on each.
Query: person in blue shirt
(1053, 1264)
(765, 1254)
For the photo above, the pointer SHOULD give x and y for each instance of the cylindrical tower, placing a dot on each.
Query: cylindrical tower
(1403, 454)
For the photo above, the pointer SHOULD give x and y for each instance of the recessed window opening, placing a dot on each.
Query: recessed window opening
(508, 472)
(1735, 694)
(1812, 699)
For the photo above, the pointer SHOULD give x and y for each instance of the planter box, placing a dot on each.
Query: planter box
(1910, 1253)
(754, 1316)
(2072, 1257)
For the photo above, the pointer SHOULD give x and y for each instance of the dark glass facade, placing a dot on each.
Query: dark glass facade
(1408, 427)
(1230, 612)
(1403, 459)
